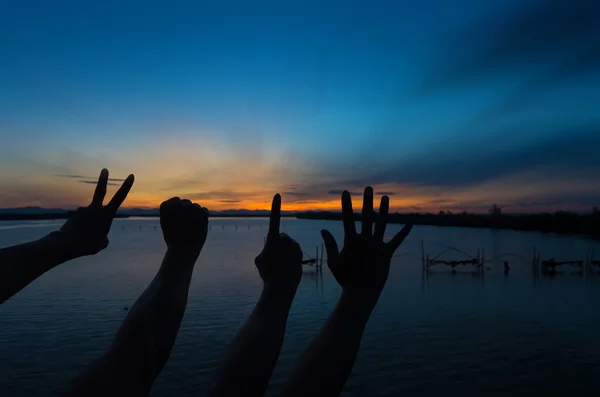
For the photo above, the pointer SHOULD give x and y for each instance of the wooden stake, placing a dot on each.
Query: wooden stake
(317, 257)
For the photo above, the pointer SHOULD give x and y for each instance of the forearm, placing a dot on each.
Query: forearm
(325, 366)
(150, 329)
(253, 353)
(21, 264)
(144, 342)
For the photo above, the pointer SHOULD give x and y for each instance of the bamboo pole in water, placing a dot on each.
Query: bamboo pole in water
(586, 265)
(533, 264)
(317, 257)
(482, 258)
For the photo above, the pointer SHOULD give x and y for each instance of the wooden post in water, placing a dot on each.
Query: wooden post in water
(317, 257)
(322, 252)
(422, 253)
(586, 265)
(482, 261)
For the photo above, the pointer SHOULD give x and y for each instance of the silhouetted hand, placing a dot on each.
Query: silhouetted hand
(184, 224)
(87, 230)
(364, 263)
(280, 262)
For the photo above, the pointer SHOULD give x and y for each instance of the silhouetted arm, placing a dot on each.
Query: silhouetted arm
(144, 341)
(326, 364)
(21, 264)
(253, 353)
(84, 233)
(361, 269)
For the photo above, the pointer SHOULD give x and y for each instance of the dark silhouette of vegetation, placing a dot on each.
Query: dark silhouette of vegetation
(561, 222)
(495, 210)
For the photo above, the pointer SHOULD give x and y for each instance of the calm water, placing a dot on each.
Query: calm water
(451, 335)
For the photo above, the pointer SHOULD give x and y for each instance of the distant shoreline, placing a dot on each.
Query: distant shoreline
(58, 216)
(559, 222)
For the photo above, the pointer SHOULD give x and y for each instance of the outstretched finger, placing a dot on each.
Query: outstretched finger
(395, 242)
(348, 215)
(275, 216)
(382, 219)
(331, 246)
(367, 213)
(121, 194)
(100, 191)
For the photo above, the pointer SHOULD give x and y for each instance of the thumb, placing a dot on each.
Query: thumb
(330, 246)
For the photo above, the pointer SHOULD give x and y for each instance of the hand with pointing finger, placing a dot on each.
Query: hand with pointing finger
(280, 262)
(87, 230)
(253, 353)
(363, 264)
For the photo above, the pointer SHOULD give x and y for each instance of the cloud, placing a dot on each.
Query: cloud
(550, 32)
(296, 193)
(534, 47)
(230, 201)
(440, 201)
(385, 193)
(95, 182)
(338, 192)
(92, 180)
(221, 195)
(464, 166)
(71, 176)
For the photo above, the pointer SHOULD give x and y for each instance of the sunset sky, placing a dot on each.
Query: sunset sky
(442, 104)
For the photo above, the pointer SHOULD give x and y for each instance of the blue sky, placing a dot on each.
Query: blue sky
(475, 102)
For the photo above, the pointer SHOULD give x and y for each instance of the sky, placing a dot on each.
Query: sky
(441, 104)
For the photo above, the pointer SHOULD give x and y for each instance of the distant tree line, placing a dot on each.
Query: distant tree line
(562, 222)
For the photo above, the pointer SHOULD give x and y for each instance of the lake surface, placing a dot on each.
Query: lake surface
(444, 335)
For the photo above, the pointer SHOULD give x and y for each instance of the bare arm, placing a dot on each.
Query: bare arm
(21, 264)
(253, 353)
(144, 341)
(326, 364)
(83, 234)
(361, 268)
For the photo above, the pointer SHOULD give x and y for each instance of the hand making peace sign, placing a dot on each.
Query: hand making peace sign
(87, 230)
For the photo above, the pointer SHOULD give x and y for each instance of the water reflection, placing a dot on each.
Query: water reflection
(490, 334)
